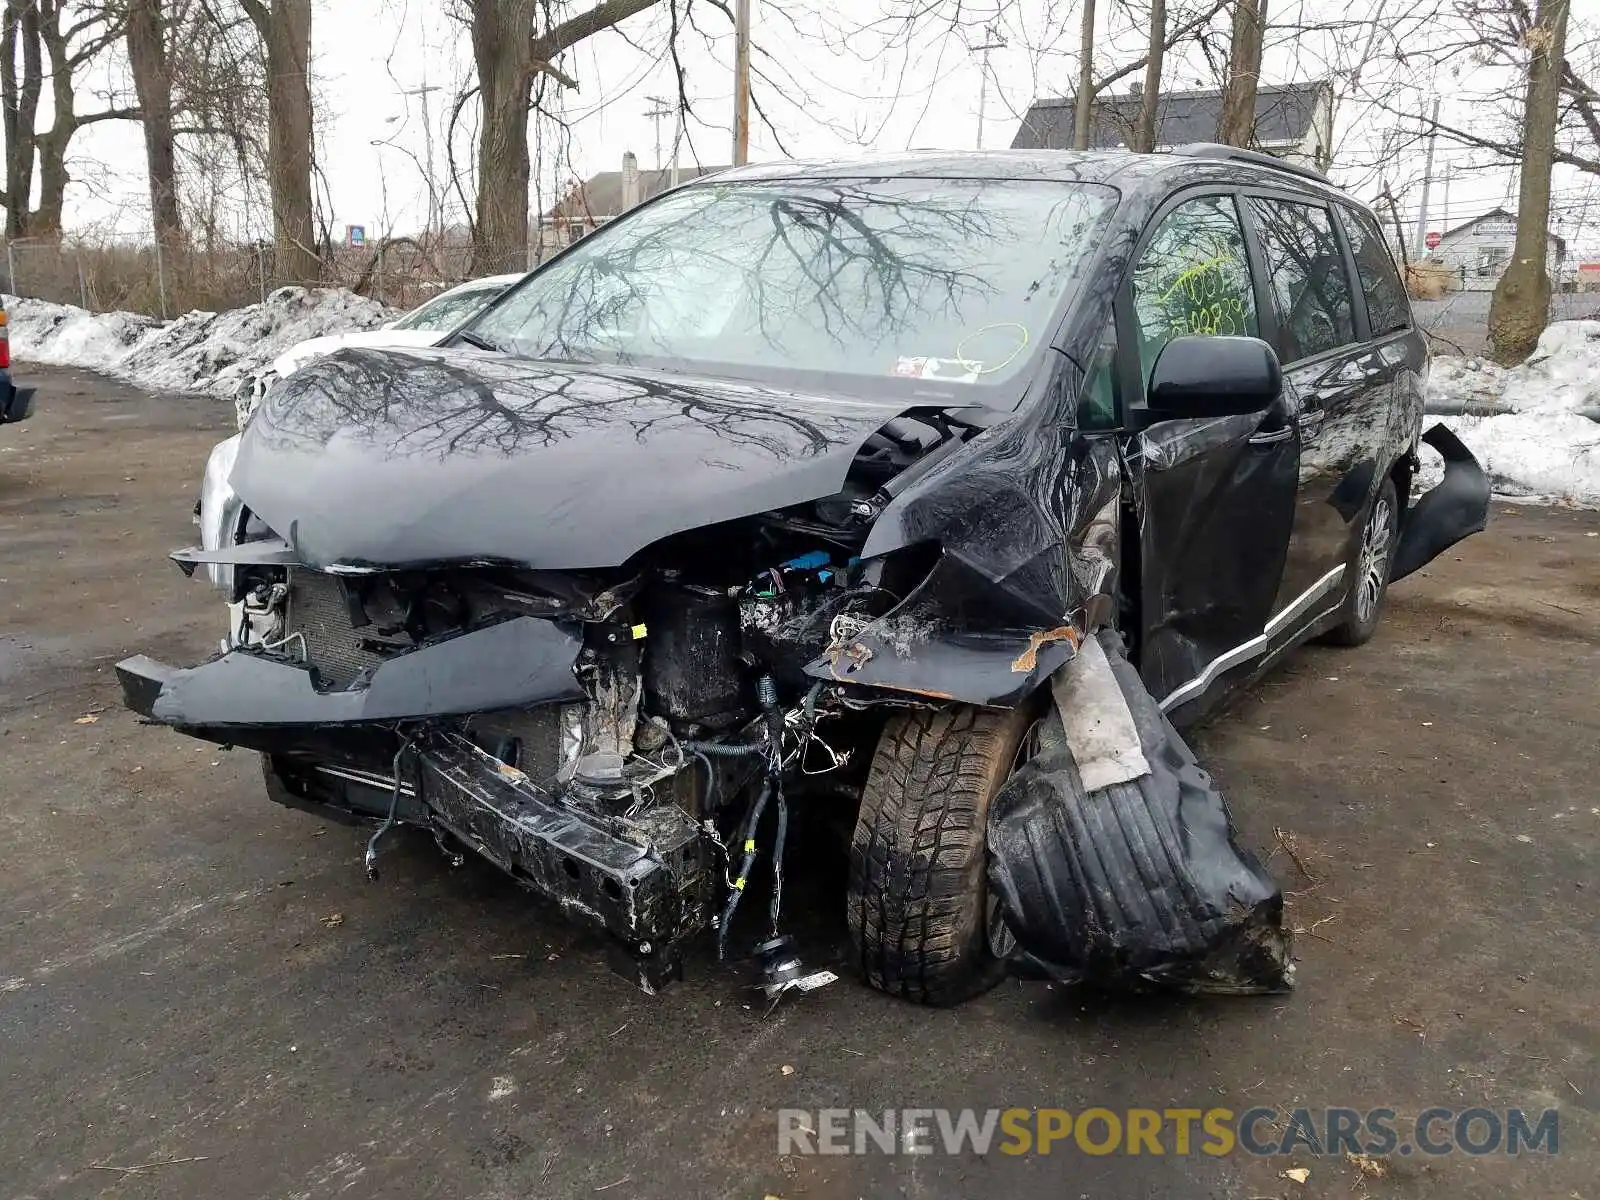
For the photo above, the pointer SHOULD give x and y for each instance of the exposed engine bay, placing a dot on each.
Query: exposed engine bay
(644, 797)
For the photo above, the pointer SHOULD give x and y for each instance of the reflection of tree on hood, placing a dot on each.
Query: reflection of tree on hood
(432, 406)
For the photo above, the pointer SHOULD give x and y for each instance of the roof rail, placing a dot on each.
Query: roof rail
(1236, 154)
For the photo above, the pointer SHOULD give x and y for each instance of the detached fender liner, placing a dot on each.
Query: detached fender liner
(1139, 883)
(1454, 508)
(511, 664)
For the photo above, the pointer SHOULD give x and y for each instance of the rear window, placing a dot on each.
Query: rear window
(1310, 289)
(1387, 307)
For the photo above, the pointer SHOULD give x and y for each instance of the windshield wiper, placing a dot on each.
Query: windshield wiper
(481, 342)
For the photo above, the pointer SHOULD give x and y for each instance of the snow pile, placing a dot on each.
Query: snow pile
(1537, 444)
(216, 353)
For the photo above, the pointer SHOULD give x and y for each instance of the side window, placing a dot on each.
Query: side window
(1310, 290)
(1193, 278)
(1097, 405)
(1387, 307)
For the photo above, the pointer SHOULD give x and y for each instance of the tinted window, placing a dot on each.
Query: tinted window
(1193, 278)
(1387, 308)
(1097, 406)
(1309, 288)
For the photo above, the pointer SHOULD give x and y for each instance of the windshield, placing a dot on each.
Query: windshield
(956, 280)
(449, 310)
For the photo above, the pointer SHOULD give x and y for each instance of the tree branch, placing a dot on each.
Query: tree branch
(570, 32)
(110, 114)
(1177, 35)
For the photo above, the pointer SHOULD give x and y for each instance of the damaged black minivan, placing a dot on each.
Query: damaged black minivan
(937, 488)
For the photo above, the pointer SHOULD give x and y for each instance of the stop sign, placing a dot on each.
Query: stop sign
(1431, 241)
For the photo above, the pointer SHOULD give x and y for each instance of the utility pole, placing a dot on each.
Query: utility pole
(1419, 246)
(741, 82)
(659, 108)
(1444, 219)
(991, 41)
(421, 92)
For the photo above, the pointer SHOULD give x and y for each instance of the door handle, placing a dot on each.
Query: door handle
(1272, 436)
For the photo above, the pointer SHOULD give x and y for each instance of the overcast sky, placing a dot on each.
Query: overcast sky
(828, 93)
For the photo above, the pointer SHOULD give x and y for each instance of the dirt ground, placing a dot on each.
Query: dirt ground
(193, 978)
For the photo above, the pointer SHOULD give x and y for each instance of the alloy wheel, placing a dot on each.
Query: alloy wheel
(1373, 563)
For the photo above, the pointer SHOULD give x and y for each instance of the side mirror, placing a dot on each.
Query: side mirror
(1213, 377)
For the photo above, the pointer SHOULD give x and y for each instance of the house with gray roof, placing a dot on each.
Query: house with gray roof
(604, 195)
(1294, 121)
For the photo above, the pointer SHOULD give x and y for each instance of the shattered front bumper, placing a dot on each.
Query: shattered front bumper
(393, 744)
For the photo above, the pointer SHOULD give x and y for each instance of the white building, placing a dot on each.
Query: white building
(1478, 251)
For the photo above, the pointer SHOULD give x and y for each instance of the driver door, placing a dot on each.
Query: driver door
(1215, 497)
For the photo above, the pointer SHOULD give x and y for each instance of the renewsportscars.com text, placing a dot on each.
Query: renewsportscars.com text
(1175, 1131)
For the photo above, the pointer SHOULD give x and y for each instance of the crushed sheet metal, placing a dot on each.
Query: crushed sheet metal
(1137, 884)
(1100, 730)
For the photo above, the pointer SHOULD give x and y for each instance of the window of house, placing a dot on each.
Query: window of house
(1387, 307)
(1193, 279)
(1310, 291)
(1492, 260)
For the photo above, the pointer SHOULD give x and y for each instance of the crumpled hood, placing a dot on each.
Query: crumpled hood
(388, 458)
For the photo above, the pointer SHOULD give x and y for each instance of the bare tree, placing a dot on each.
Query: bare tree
(1150, 103)
(513, 41)
(221, 114)
(1520, 307)
(1083, 102)
(20, 100)
(1495, 37)
(284, 27)
(1237, 124)
(71, 37)
(148, 26)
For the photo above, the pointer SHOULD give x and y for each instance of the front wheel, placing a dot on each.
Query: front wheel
(919, 909)
(1374, 552)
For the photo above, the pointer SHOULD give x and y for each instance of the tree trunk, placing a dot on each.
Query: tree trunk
(1083, 102)
(1520, 307)
(45, 221)
(1144, 139)
(285, 29)
(502, 46)
(152, 82)
(508, 55)
(1238, 123)
(19, 107)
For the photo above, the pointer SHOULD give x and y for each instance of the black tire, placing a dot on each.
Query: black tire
(1371, 558)
(918, 901)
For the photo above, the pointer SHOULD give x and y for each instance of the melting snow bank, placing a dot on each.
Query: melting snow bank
(1537, 445)
(215, 353)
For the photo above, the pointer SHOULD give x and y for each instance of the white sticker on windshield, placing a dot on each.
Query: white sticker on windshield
(946, 370)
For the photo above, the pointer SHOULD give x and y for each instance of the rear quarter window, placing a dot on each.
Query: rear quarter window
(1306, 271)
(1387, 306)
